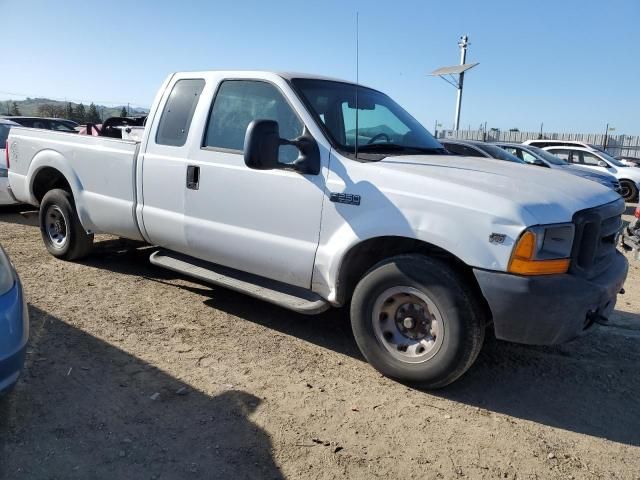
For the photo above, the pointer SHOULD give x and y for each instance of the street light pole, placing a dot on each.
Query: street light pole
(463, 44)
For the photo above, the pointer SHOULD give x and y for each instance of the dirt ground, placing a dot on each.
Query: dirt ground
(136, 373)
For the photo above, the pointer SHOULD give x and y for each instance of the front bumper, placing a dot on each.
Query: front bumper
(14, 335)
(549, 309)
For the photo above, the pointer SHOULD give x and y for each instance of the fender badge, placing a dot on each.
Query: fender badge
(497, 238)
(347, 198)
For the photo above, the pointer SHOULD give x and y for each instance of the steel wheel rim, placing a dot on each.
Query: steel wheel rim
(56, 227)
(407, 323)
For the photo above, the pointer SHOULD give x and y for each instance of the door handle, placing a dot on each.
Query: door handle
(193, 177)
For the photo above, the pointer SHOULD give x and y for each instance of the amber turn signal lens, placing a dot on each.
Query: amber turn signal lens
(522, 261)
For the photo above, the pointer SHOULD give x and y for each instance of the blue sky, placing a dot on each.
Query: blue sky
(570, 64)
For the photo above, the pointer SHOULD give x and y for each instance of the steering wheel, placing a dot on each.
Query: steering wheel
(378, 137)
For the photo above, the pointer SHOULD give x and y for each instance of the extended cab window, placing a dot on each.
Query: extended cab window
(238, 103)
(178, 112)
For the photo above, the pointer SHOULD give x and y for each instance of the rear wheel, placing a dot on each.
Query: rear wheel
(61, 230)
(416, 320)
(628, 190)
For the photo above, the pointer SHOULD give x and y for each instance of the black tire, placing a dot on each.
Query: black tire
(57, 210)
(462, 317)
(628, 190)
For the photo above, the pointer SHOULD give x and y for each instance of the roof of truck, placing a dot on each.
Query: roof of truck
(291, 75)
(285, 75)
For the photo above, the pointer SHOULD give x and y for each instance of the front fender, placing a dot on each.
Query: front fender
(453, 229)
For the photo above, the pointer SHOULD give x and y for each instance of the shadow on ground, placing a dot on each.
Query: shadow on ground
(19, 214)
(588, 386)
(84, 409)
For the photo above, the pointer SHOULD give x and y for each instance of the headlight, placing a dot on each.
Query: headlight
(7, 278)
(543, 250)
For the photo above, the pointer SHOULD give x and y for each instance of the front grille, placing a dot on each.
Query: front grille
(597, 230)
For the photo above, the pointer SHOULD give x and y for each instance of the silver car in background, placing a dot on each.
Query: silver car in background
(537, 156)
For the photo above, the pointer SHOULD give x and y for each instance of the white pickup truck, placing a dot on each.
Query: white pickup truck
(314, 193)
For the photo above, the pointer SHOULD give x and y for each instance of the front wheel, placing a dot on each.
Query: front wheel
(628, 190)
(416, 320)
(61, 230)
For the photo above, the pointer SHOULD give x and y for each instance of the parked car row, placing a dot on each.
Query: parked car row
(594, 158)
(57, 124)
(628, 177)
(575, 158)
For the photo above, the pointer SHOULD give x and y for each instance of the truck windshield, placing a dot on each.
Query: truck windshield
(383, 126)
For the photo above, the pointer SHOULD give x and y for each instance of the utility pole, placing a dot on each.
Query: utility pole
(448, 75)
(435, 128)
(606, 137)
(463, 44)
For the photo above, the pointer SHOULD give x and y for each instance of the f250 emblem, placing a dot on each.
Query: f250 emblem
(497, 238)
(347, 198)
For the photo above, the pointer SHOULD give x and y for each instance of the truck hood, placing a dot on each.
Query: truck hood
(547, 195)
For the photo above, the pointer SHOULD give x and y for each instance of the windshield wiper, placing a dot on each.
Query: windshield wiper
(395, 147)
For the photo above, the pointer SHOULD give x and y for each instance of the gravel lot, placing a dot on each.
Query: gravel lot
(135, 372)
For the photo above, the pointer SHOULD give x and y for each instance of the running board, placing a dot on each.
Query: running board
(272, 291)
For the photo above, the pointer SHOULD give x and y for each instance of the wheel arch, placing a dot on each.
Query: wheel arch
(46, 179)
(49, 170)
(362, 256)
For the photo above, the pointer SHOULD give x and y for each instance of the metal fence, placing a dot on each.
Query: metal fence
(614, 144)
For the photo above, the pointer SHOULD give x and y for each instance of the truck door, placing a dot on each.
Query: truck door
(164, 161)
(266, 222)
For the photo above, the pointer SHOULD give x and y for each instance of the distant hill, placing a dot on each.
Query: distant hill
(45, 107)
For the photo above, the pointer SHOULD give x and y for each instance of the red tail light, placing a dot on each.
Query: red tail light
(6, 153)
(638, 211)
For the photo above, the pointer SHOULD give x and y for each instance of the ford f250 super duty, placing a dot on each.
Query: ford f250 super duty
(313, 193)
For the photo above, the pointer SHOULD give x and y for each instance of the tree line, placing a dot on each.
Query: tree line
(78, 114)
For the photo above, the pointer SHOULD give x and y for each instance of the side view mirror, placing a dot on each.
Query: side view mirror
(602, 163)
(262, 145)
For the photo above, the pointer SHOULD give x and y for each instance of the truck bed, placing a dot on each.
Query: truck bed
(105, 196)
